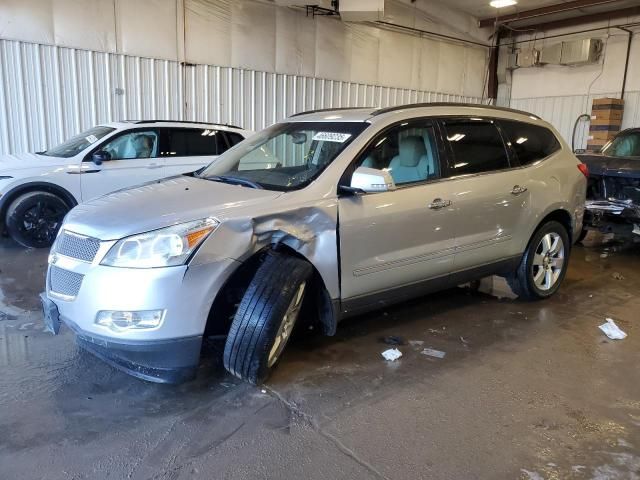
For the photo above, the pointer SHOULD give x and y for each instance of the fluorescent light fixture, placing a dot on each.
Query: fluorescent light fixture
(502, 3)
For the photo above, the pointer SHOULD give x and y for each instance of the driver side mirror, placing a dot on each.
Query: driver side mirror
(100, 156)
(371, 180)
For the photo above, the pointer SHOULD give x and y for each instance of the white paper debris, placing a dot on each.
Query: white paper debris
(612, 331)
(392, 354)
(433, 353)
(636, 229)
(416, 343)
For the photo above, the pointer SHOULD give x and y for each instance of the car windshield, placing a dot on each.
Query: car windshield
(76, 144)
(624, 145)
(285, 156)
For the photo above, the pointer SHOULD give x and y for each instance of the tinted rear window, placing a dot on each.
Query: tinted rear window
(530, 142)
(477, 146)
(187, 142)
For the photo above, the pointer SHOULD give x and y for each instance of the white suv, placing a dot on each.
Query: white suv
(37, 190)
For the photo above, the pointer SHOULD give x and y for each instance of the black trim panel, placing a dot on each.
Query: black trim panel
(161, 361)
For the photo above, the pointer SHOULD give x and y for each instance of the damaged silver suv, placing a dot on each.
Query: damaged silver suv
(325, 215)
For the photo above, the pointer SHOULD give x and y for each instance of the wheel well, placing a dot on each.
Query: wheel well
(561, 216)
(11, 195)
(317, 309)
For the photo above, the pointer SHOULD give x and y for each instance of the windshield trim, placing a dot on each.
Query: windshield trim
(355, 129)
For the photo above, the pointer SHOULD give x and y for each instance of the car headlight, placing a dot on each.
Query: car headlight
(166, 247)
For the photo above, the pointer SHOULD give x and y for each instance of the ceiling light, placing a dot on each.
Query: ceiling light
(502, 3)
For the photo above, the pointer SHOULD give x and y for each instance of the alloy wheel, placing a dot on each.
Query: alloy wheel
(287, 324)
(548, 261)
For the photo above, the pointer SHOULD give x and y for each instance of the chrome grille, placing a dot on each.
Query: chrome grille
(64, 282)
(77, 246)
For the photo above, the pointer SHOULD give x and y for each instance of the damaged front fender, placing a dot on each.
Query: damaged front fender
(311, 231)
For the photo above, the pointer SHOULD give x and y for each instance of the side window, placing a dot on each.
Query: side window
(138, 144)
(233, 138)
(530, 142)
(188, 142)
(408, 152)
(476, 145)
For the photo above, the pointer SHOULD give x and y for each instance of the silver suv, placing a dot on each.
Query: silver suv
(325, 215)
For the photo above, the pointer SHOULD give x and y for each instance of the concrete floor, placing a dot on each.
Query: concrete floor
(525, 391)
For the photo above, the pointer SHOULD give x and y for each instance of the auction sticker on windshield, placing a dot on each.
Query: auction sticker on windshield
(331, 137)
(91, 138)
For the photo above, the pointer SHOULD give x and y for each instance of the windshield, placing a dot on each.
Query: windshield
(624, 145)
(285, 156)
(76, 144)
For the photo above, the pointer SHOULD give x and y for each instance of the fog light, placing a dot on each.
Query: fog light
(118, 320)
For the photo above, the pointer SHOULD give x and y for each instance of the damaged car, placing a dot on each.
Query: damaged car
(323, 216)
(613, 189)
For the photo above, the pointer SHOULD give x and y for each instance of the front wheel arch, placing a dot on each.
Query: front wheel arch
(224, 304)
(19, 190)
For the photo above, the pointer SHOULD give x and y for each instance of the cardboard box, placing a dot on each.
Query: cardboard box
(602, 134)
(613, 122)
(607, 114)
(608, 101)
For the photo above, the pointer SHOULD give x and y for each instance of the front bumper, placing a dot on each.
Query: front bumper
(606, 215)
(166, 353)
(162, 361)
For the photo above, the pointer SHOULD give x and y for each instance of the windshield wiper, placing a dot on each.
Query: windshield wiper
(234, 181)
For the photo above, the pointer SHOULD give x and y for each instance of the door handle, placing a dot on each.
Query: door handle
(82, 172)
(154, 165)
(518, 190)
(438, 203)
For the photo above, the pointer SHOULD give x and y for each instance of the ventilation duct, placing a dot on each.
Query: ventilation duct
(574, 52)
(361, 10)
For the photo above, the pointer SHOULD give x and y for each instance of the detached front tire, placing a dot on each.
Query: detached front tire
(544, 264)
(34, 218)
(266, 316)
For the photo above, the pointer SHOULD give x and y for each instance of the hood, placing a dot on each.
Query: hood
(160, 204)
(612, 166)
(19, 161)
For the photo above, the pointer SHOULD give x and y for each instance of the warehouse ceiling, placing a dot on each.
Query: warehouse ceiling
(545, 14)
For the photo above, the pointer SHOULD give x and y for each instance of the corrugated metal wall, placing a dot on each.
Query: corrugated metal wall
(562, 112)
(49, 93)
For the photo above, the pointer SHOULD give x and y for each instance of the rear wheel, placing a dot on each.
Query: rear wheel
(544, 264)
(266, 317)
(34, 218)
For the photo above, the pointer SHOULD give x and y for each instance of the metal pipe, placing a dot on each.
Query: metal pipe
(434, 34)
(541, 12)
(626, 63)
(547, 37)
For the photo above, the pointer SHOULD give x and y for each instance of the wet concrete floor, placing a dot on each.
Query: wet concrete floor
(525, 391)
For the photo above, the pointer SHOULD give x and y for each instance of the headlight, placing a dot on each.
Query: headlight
(166, 247)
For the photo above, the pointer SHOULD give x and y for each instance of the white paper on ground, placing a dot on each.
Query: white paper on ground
(392, 354)
(612, 331)
(433, 353)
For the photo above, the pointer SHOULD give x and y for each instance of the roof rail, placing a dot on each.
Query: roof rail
(338, 109)
(450, 104)
(183, 121)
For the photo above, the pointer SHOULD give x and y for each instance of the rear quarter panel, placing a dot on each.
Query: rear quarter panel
(555, 183)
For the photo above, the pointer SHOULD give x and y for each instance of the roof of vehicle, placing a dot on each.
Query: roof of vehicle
(172, 123)
(361, 114)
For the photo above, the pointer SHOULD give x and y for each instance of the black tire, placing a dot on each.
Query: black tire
(523, 281)
(34, 218)
(279, 283)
